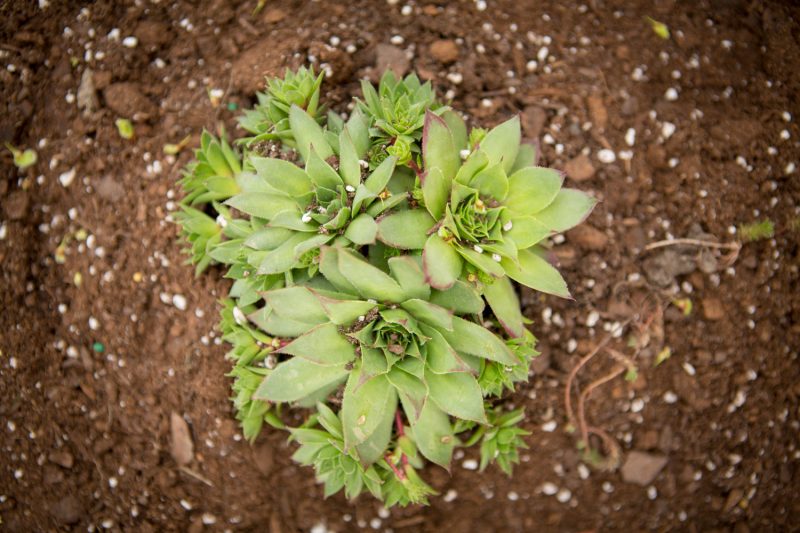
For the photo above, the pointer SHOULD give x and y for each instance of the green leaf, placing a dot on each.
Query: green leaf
(344, 312)
(365, 406)
(527, 231)
(282, 175)
(461, 298)
(406, 270)
(412, 392)
(535, 272)
(349, 167)
(505, 305)
(429, 313)
(483, 261)
(502, 143)
(406, 230)
(297, 378)
(362, 230)
(329, 266)
(23, 158)
(262, 205)
(274, 324)
(296, 303)
(267, 238)
(458, 129)
(292, 220)
(457, 394)
(369, 281)
(434, 435)
(527, 156)
(438, 147)
(569, 208)
(440, 357)
(377, 181)
(308, 133)
(373, 448)
(321, 173)
(532, 189)
(491, 182)
(283, 257)
(323, 345)
(125, 128)
(473, 339)
(435, 191)
(441, 263)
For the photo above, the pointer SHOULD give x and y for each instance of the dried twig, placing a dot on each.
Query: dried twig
(694, 242)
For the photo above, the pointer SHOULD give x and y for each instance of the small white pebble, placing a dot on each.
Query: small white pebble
(531, 65)
(667, 129)
(94, 325)
(688, 368)
(670, 397)
(186, 505)
(550, 426)
(112, 482)
(67, 178)
(209, 519)
(455, 77)
(671, 95)
(450, 495)
(608, 488)
(541, 55)
(375, 523)
(406, 10)
(789, 168)
(592, 319)
(564, 495)
(637, 405)
(630, 137)
(513, 496)
(606, 156)
(652, 493)
(397, 40)
(786, 116)
(785, 135)
(179, 301)
(583, 471)
(130, 42)
(549, 488)
(470, 464)
(480, 5)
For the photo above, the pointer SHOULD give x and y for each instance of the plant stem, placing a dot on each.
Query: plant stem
(694, 242)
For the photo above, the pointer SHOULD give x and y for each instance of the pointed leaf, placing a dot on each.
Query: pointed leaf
(349, 167)
(282, 258)
(457, 394)
(527, 156)
(262, 205)
(344, 312)
(377, 181)
(535, 272)
(458, 128)
(272, 323)
(282, 175)
(503, 300)
(406, 230)
(434, 435)
(569, 208)
(491, 182)
(365, 407)
(408, 273)
(362, 230)
(532, 189)
(412, 392)
(441, 263)
(440, 357)
(329, 266)
(323, 345)
(438, 147)
(296, 303)
(297, 378)
(321, 173)
(483, 261)
(429, 313)
(308, 133)
(461, 298)
(502, 143)
(435, 191)
(527, 231)
(369, 281)
(473, 339)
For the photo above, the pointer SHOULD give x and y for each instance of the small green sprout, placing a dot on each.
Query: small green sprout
(23, 158)
(756, 231)
(663, 355)
(125, 128)
(659, 28)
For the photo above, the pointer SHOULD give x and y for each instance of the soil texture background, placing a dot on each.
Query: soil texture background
(108, 343)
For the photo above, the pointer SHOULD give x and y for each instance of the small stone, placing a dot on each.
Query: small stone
(67, 510)
(182, 447)
(179, 301)
(642, 468)
(87, 96)
(450, 495)
(391, 57)
(533, 119)
(580, 168)
(470, 464)
(713, 309)
(549, 488)
(445, 51)
(271, 16)
(63, 459)
(606, 156)
(587, 237)
(16, 204)
(564, 495)
(66, 178)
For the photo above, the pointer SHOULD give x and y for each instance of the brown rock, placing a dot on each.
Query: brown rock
(127, 100)
(445, 51)
(713, 309)
(68, 510)
(182, 447)
(597, 111)
(566, 255)
(110, 189)
(390, 57)
(533, 119)
(260, 60)
(101, 79)
(656, 156)
(264, 459)
(642, 468)
(580, 168)
(63, 459)
(152, 34)
(588, 237)
(733, 499)
(273, 15)
(649, 440)
(16, 204)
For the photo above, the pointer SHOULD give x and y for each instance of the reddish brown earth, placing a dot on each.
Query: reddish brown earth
(86, 435)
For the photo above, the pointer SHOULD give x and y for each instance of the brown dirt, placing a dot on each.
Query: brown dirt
(86, 435)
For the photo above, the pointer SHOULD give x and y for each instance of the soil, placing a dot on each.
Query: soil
(708, 437)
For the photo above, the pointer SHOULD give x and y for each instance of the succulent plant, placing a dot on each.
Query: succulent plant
(363, 254)
(269, 119)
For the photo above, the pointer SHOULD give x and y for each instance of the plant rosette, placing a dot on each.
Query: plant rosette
(363, 254)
